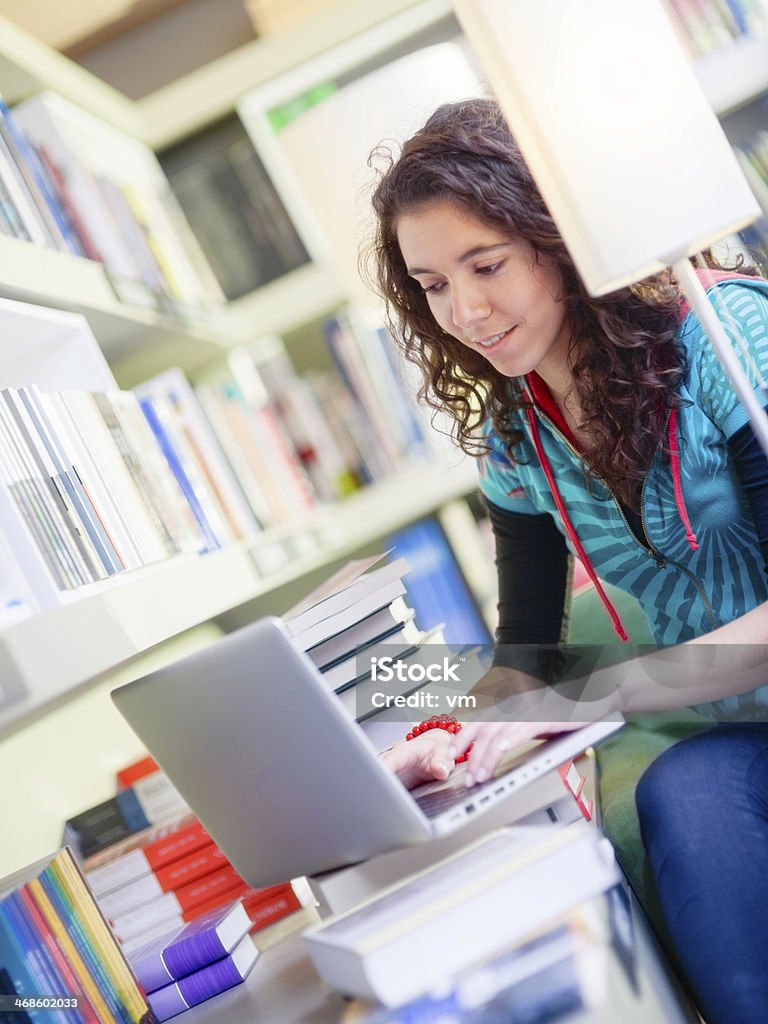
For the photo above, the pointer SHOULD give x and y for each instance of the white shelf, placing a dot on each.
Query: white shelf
(28, 67)
(63, 281)
(735, 75)
(47, 656)
(212, 91)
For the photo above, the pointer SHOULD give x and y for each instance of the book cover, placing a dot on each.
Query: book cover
(183, 951)
(204, 984)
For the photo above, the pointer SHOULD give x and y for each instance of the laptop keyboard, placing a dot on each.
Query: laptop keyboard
(442, 796)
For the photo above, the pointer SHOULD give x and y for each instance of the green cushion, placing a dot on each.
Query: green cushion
(622, 760)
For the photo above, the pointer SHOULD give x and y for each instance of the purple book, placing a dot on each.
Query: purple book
(184, 950)
(203, 984)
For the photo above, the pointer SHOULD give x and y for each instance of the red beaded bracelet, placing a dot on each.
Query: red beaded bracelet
(446, 722)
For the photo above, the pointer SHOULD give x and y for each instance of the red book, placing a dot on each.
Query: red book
(267, 911)
(574, 783)
(155, 857)
(133, 772)
(229, 896)
(174, 876)
(205, 889)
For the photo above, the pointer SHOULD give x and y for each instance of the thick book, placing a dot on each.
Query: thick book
(204, 984)
(188, 949)
(324, 630)
(494, 894)
(548, 979)
(377, 627)
(354, 581)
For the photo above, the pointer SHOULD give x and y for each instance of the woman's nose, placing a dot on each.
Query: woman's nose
(469, 306)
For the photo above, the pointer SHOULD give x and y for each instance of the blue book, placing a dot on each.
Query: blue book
(49, 980)
(175, 462)
(437, 590)
(195, 988)
(14, 963)
(7, 989)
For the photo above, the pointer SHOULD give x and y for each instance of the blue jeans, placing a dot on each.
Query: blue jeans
(703, 808)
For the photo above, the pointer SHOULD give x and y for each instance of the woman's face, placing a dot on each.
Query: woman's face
(486, 289)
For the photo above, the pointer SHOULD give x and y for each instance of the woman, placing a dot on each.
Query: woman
(604, 429)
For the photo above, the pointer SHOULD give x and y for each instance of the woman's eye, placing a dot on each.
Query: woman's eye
(433, 289)
(491, 268)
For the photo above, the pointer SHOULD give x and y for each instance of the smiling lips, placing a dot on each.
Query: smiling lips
(494, 339)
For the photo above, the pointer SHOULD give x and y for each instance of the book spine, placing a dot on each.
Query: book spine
(108, 955)
(206, 888)
(73, 954)
(266, 911)
(39, 964)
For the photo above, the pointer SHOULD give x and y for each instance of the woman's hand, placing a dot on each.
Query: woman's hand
(493, 741)
(422, 759)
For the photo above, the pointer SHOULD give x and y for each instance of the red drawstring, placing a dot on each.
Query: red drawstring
(583, 556)
(674, 459)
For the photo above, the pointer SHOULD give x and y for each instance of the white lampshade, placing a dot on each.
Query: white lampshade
(611, 120)
(327, 147)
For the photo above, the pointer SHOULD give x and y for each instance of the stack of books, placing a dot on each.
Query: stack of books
(58, 958)
(193, 963)
(153, 867)
(357, 623)
(523, 902)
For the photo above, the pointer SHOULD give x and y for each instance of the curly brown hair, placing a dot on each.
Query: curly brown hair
(626, 364)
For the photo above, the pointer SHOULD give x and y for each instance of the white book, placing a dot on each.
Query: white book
(349, 585)
(350, 669)
(374, 627)
(372, 602)
(154, 476)
(487, 897)
(93, 479)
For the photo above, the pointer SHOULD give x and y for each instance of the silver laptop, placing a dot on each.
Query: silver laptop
(281, 775)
